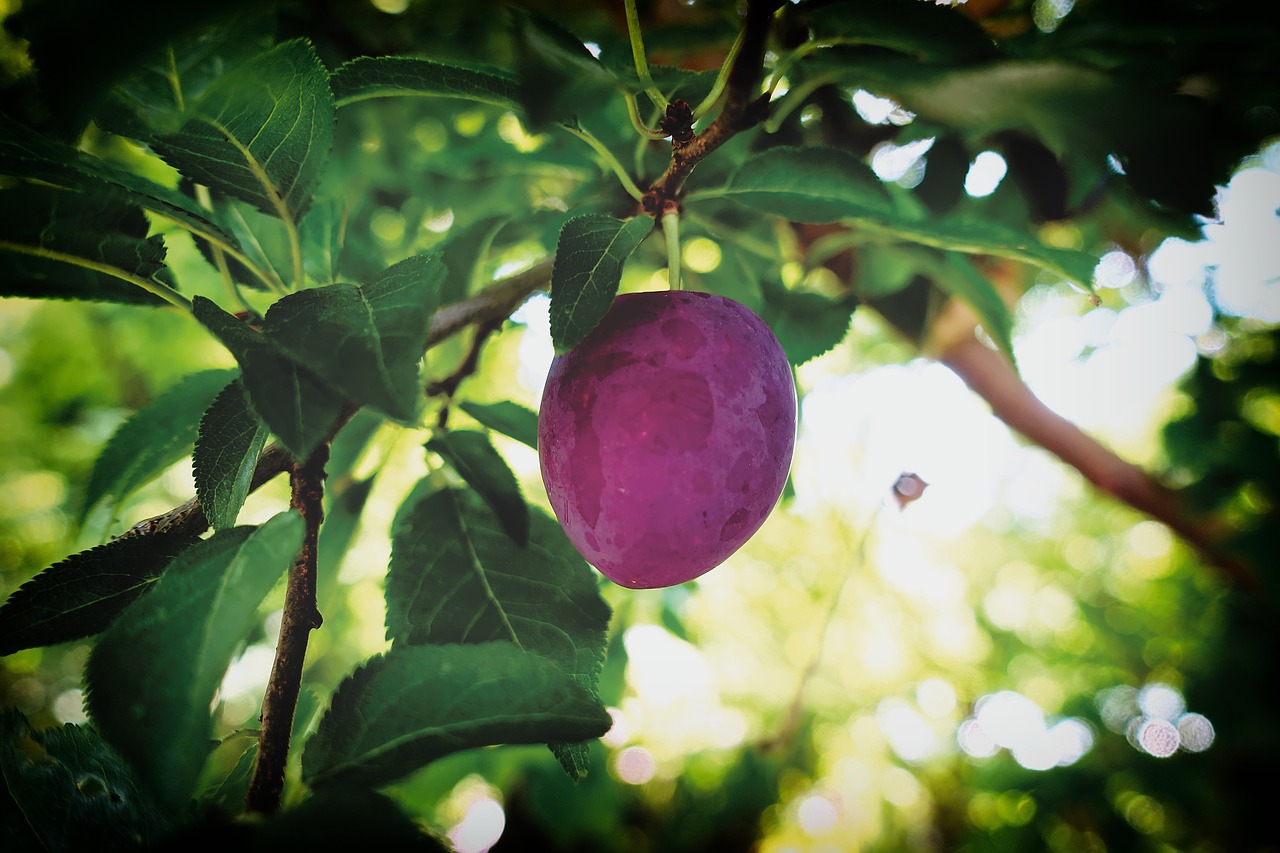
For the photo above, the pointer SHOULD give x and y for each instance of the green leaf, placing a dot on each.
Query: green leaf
(809, 185)
(588, 268)
(826, 184)
(73, 791)
(261, 133)
(557, 77)
(299, 407)
(474, 457)
(464, 255)
(415, 704)
(154, 98)
(456, 578)
(959, 278)
(152, 439)
(926, 31)
(64, 244)
(322, 233)
(405, 76)
(511, 419)
(807, 324)
(366, 340)
(346, 819)
(154, 673)
(28, 155)
(228, 442)
(229, 793)
(80, 595)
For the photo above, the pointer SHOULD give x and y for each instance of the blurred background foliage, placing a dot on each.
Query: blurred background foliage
(1012, 662)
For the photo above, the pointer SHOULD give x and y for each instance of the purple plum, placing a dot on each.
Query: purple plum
(665, 436)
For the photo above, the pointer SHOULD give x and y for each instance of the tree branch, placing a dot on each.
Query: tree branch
(989, 375)
(744, 107)
(300, 617)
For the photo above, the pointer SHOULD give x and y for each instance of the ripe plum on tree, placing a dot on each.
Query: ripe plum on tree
(666, 435)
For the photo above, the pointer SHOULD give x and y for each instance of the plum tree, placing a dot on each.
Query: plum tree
(666, 436)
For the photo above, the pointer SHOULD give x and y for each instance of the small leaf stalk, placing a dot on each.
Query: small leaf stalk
(671, 231)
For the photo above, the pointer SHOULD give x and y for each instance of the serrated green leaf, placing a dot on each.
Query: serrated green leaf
(28, 155)
(415, 704)
(153, 674)
(154, 98)
(73, 791)
(406, 76)
(228, 441)
(80, 595)
(590, 254)
(365, 340)
(806, 324)
(298, 406)
(809, 185)
(473, 456)
(153, 438)
(67, 244)
(511, 419)
(825, 185)
(455, 577)
(262, 132)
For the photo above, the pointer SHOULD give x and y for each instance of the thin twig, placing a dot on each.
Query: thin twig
(494, 303)
(300, 617)
(744, 107)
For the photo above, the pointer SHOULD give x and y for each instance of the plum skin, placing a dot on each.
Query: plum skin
(666, 435)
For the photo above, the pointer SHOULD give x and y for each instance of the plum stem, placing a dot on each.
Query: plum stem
(638, 56)
(671, 230)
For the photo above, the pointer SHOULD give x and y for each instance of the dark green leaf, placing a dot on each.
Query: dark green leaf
(511, 419)
(826, 184)
(153, 674)
(405, 76)
(415, 704)
(365, 340)
(64, 244)
(80, 595)
(927, 31)
(809, 185)
(346, 819)
(456, 578)
(589, 258)
(474, 457)
(153, 439)
(229, 793)
(574, 758)
(558, 78)
(73, 791)
(298, 406)
(228, 442)
(262, 132)
(154, 98)
(807, 324)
